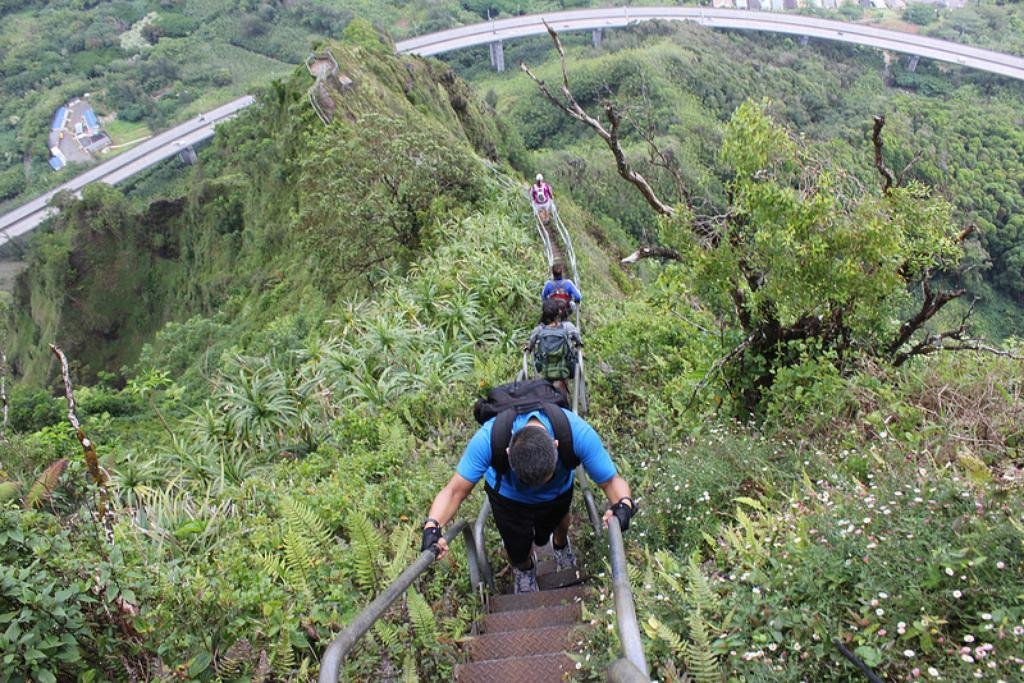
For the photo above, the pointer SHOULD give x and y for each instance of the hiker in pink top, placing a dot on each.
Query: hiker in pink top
(540, 195)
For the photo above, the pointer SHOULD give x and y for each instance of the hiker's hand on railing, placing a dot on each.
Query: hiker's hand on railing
(623, 511)
(432, 537)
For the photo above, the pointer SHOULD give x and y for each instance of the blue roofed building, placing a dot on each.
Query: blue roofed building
(76, 134)
(90, 119)
(58, 118)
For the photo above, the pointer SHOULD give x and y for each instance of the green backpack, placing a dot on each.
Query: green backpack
(552, 354)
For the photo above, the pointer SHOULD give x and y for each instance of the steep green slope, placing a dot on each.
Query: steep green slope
(950, 129)
(283, 215)
(278, 442)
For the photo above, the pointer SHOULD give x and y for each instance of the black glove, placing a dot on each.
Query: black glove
(624, 511)
(431, 535)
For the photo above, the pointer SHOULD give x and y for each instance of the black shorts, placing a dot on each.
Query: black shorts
(523, 524)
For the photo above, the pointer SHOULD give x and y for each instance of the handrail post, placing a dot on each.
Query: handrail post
(624, 671)
(481, 545)
(472, 556)
(625, 612)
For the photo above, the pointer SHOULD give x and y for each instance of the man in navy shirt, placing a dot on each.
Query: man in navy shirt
(531, 501)
(561, 288)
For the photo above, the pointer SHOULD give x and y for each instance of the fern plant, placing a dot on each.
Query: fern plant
(305, 539)
(700, 660)
(409, 674)
(367, 552)
(421, 616)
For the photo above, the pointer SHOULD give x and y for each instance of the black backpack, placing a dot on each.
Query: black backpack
(506, 401)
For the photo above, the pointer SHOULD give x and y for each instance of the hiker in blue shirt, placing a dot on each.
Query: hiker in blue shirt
(561, 288)
(530, 500)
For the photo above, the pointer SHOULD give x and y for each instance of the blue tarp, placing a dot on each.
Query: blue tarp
(90, 119)
(56, 164)
(58, 119)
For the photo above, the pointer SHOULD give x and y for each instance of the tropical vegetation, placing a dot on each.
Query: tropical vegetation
(274, 355)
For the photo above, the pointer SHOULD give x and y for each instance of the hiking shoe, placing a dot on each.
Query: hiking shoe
(525, 581)
(565, 558)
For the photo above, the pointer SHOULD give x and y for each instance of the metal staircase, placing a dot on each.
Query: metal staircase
(524, 638)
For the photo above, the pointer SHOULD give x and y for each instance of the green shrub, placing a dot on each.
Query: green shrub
(32, 408)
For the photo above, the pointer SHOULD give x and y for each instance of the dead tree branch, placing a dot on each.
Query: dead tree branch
(876, 138)
(918, 155)
(652, 252)
(3, 391)
(610, 135)
(931, 305)
(92, 462)
(718, 365)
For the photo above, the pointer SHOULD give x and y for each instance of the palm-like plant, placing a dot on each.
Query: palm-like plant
(134, 477)
(458, 315)
(379, 391)
(256, 405)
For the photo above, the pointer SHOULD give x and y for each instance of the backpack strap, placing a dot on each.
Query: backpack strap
(563, 432)
(501, 436)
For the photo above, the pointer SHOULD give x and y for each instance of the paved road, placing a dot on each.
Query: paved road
(28, 216)
(124, 165)
(576, 20)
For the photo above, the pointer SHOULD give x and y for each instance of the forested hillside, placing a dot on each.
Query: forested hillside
(954, 132)
(147, 65)
(275, 356)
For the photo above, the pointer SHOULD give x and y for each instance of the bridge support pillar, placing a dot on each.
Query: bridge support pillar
(912, 63)
(188, 155)
(498, 56)
(596, 35)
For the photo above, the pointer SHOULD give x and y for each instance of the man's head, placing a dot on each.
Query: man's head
(551, 311)
(540, 178)
(532, 454)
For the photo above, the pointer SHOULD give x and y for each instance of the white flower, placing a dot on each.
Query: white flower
(933, 672)
(957, 594)
(986, 616)
(883, 595)
(879, 611)
(949, 571)
(968, 638)
(908, 653)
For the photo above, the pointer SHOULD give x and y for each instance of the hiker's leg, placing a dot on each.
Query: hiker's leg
(560, 536)
(515, 526)
(552, 517)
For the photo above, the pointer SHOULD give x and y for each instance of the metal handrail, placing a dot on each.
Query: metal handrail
(624, 671)
(625, 609)
(346, 640)
(478, 537)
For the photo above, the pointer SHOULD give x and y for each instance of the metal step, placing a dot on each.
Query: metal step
(566, 577)
(546, 567)
(531, 618)
(521, 643)
(555, 668)
(505, 603)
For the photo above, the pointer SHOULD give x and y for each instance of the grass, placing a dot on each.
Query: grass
(122, 132)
